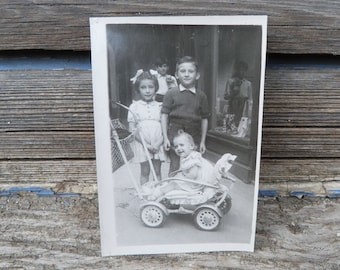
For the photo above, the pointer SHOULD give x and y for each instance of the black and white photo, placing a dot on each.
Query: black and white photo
(178, 119)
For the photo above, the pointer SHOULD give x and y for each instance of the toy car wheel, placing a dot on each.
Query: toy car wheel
(206, 219)
(152, 216)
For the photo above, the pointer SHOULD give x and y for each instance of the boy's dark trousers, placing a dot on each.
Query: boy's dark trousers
(187, 125)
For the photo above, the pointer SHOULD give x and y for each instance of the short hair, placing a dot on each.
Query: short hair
(186, 59)
(146, 75)
(161, 61)
(182, 133)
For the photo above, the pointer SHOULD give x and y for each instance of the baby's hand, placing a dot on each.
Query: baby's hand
(168, 78)
(171, 82)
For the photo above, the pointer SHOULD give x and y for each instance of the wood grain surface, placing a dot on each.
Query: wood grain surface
(302, 97)
(47, 139)
(294, 27)
(63, 233)
(47, 134)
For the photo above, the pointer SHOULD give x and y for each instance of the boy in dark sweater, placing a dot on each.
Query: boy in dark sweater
(185, 108)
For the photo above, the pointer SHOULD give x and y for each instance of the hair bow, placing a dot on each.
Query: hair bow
(140, 72)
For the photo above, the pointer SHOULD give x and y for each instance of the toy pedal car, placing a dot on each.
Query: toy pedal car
(206, 207)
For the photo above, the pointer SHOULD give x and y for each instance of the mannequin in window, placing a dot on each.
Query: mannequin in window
(238, 94)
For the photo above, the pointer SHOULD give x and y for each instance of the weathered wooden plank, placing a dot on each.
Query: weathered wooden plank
(306, 79)
(299, 170)
(277, 143)
(301, 142)
(62, 99)
(46, 100)
(290, 234)
(49, 173)
(302, 97)
(294, 27)
(75, 176)
(47, 145)
(47, 115)
(320, 177)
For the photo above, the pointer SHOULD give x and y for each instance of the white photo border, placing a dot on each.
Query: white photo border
(99, 59)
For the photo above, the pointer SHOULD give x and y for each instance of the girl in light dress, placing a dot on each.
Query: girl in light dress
(145, 114)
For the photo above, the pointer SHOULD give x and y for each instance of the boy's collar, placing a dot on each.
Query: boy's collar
(192, 89)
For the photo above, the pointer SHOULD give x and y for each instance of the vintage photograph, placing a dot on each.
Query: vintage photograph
(178, 119)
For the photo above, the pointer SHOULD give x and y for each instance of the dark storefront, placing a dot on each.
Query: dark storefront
(217, 49)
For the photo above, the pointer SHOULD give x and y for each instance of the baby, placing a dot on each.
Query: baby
(192, 164)
(192, 167)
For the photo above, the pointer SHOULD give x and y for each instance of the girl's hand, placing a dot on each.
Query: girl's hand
(156, 147)
(202, 148)
(152, 149)
(167, 144)
(149, 147)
